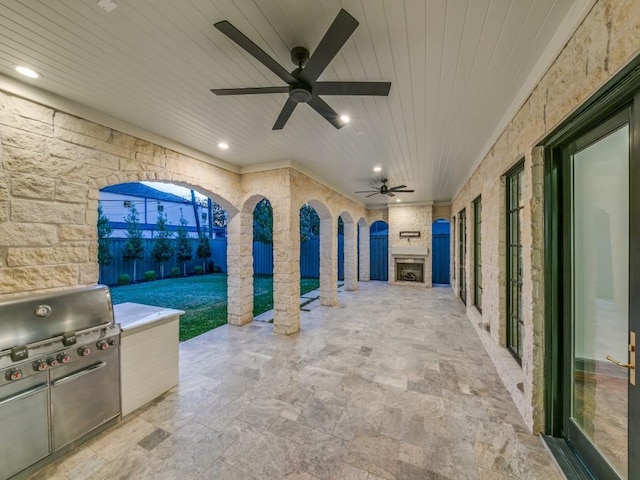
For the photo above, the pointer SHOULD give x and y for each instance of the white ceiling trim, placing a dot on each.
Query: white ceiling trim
(561, 37)
(48, 99)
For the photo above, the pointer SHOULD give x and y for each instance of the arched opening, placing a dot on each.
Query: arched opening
(163, 244)
(379, 250)
(263, 260)
(309, 253)
(440, 248)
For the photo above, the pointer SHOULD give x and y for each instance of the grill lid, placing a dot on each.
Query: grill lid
(34, 318)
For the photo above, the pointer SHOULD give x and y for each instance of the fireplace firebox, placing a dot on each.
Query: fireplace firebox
(410, 270)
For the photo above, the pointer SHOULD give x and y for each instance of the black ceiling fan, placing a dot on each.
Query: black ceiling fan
(384, 190)
(302, 85)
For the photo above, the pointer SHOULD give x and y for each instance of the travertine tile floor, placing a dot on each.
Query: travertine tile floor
(390, 384)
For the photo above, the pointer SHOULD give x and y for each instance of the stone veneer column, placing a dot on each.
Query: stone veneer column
(286, 268)
(240, 268)
(328, 261)
(364, 252)
(350, 257)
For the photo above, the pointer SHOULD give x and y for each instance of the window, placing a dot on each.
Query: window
(160, 208)
(477, 253)
(515, 206)
(453, 249)
(127, 204)
(462, 220)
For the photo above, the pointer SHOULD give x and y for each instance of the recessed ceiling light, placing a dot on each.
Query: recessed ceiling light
(27, 72)
(377, 169)
(345, 118)
(398, 200)
(223, 145)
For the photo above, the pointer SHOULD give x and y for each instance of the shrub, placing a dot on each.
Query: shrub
(124, 279)
(175, 272)
(198, 270)
(150, 275)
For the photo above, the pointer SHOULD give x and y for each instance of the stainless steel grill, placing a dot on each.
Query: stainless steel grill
(59, 374)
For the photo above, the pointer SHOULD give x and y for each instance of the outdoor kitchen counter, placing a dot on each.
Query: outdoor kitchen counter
(149, 352)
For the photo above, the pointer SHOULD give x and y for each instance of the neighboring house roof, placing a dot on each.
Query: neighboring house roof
(135, 189)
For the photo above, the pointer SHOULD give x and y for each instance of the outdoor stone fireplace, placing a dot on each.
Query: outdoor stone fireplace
(409, 269)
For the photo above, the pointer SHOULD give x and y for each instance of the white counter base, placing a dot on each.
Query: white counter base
(148, 352)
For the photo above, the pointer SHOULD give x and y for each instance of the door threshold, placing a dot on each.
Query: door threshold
(566, 459)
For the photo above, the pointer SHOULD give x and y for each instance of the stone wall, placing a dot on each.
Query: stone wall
(416, 218)
(52, 166)
(607, 40)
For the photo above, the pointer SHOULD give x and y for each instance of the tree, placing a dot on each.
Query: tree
(309, 223)
(104, 239)
(263, 222)
(134, 246)
(184, 246)
(162, 248)
(203, 251)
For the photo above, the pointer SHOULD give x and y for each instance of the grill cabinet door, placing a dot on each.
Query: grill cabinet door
(24, 424)
(84, 395)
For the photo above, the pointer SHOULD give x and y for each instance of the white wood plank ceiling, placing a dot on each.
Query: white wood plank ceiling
(456, 67)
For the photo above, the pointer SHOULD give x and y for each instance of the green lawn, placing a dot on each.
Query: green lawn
(203, 298)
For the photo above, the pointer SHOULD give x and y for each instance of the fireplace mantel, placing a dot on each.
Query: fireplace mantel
(400, 251)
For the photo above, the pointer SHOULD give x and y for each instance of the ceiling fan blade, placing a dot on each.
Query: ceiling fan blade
(249, 91)
(326, 111)
(367, 191)
(335, 37)
(376, 193)
(285, 113)
(380, 89)
(397, 187)
(402, 191)
(243, 41)
(391, 194)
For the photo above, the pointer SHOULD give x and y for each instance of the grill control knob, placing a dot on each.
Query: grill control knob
(64, 358)
(52, 362)
(113, 341)
(40, 365)
(14, 374)
(84, 351)
(102, 345)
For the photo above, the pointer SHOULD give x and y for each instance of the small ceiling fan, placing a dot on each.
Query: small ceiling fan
(384, 190)
(302, 85)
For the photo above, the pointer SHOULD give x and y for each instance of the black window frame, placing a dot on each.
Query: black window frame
(462, 250)
(477, 253)
(515, 322)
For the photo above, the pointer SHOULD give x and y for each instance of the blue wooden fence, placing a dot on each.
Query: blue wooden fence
(379, 257)
(109, 274)
(440, 258)
(262, 259)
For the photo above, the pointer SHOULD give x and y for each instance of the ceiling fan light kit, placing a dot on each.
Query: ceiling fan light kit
(302, 85)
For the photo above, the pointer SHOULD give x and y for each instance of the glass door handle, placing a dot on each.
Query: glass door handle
(632, 359)
(620, 364)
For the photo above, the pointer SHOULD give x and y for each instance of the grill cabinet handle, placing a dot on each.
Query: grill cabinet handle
(81, 373)
(26, 394)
